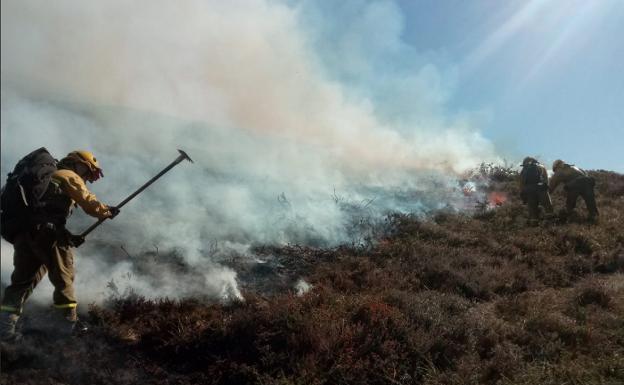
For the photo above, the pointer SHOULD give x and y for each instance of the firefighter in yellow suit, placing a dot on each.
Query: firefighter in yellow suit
(47, 248)
(576, 182)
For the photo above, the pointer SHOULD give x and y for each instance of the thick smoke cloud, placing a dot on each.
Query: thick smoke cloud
(284, 129)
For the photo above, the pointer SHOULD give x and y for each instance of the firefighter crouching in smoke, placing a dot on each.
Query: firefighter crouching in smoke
(576, 183)
(534, 188)
(47, 247)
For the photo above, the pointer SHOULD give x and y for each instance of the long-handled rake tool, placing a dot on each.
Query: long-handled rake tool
(180, 158)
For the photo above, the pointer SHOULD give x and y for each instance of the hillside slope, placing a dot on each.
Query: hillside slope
(453, 299)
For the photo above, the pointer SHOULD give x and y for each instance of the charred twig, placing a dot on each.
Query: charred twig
(126, 251)
(369, 202)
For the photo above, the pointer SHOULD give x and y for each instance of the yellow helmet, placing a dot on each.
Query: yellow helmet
(556, 164)
(87, 158)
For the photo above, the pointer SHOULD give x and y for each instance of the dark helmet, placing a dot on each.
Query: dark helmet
(528, 160)
(557, 164)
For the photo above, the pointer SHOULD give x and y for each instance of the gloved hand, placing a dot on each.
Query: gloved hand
(76, 240)
(73, 240)
(114, 211)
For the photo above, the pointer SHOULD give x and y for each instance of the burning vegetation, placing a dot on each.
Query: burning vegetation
(454, 298)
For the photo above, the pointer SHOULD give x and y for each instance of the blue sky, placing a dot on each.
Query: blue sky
(548, 75)
(537, 77)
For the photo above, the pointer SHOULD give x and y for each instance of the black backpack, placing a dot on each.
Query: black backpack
(22, 193)
(531, 174)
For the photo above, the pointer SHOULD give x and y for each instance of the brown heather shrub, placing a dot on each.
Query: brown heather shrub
(593, 294)
(454, 299)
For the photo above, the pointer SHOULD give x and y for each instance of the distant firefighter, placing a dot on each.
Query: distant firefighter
(36, 227)
(534, 188)
(576, 183)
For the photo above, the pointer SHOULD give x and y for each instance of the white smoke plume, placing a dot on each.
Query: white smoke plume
(302, 287)
(278, 138)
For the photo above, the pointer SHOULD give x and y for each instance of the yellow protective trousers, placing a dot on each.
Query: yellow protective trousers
(36, 254)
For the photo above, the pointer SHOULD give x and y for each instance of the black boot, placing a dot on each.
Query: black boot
(8, 324)
(80, 327)
(65, 321)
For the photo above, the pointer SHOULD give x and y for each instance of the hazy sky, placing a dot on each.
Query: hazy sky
(547, 75)
(534, 77)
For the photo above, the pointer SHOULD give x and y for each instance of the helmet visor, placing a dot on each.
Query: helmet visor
(96, 174)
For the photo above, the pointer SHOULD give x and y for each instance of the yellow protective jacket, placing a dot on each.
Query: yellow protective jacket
(565, 174)
(72, 185)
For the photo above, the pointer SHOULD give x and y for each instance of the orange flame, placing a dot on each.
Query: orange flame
(497, 198)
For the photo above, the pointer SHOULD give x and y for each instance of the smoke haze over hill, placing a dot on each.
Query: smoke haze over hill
(283, 137)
